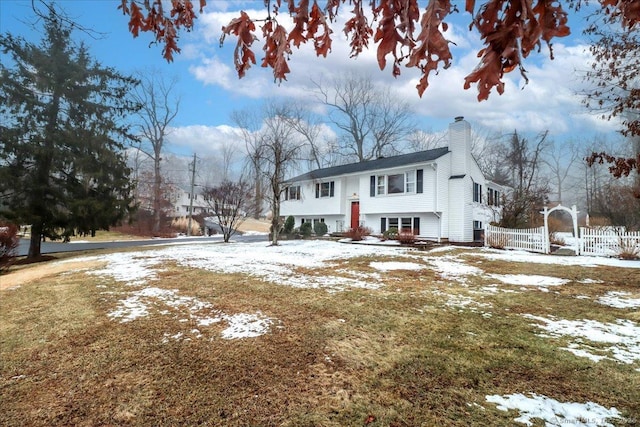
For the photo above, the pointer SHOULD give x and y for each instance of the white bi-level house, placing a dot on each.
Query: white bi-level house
(438, 194)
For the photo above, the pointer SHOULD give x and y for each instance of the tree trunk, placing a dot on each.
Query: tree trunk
(635, 144)
(257, 208)
(35, 241)
(157, 182)
(275, 223)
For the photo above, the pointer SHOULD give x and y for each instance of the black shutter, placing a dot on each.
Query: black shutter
(383, 225)
(317, 191)
(286, 193)
(331, 188)
(372, 186)
(419, 179)
(416, 225)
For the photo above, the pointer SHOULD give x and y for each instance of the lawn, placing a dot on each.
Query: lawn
(320, 333)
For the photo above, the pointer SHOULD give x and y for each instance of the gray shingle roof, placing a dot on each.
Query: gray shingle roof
(371, 165)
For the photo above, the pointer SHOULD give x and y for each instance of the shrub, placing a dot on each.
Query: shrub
(629, 249)
(289, 224)
(8, 244)
(182, 223)
(320, 228)
(390, 234)
(358, 233)
(555, 239)
(406, 238)
(497, 241)
(305, 229)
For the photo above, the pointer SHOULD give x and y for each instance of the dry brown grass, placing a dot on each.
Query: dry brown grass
(399, 354)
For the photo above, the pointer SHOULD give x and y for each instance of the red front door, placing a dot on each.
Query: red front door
(355, 214)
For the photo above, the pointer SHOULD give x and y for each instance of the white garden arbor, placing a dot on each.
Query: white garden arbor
(574, 215)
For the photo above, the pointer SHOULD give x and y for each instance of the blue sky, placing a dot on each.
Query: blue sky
(210, 90)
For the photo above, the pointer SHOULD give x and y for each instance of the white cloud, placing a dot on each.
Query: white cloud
(204, 140)
(550, 101)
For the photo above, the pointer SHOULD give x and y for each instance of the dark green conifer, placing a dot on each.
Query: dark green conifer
(63, 132)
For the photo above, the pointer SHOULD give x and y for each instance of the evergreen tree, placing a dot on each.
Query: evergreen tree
(62, 135)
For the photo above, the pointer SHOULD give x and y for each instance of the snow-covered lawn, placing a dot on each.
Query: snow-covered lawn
(554, 413)
(293, 263)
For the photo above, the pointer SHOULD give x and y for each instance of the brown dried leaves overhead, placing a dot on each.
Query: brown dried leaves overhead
(510, 30)
(150, 15)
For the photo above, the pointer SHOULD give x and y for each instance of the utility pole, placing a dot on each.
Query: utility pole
(193, 184)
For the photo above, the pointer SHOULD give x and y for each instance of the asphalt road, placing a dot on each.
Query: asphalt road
(57, 247)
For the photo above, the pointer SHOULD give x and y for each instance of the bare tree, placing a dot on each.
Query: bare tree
(229, 151)
(560, 159)
(321, 152)
(528, 193)
(229, 201)
(249, 122)
(159, 108)
(280, 151)
(274, 147)
(490, 155)
(371, 120)
(421, 140)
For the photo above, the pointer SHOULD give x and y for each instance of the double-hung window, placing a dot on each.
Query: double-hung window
(292, 193)
(381, 185)
(494, 197)
(477, 192)
(325, 189)
(410, 182)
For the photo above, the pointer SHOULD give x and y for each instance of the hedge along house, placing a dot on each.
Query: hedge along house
(438, 194)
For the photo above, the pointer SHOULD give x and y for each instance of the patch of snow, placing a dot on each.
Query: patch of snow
(241, 325)
(276, 263)
(583, 350)
(624, 335)
(619, 300)
(388, 266)
(590, 281)
(246, 326)
(208, 321)
(133, 268)
(553, 412)
(255, 233)
(442, 249)
(452, 268)
(528, 280)
(528, 257)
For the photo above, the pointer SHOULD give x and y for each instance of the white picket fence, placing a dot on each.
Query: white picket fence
(528, 239)
(608, 241)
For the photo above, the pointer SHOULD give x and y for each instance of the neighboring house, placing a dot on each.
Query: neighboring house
(182, 204)
(438, 194)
